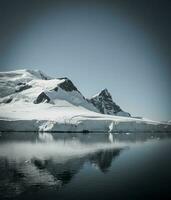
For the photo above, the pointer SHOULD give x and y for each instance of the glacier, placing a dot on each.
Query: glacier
(32, 101)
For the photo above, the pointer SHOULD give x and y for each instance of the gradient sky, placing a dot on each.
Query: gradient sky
(123, 46)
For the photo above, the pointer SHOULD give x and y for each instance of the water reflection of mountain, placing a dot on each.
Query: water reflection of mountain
(30, 160)
(65, 171)
(103, 159)
(18, 177)
(49, 162)
(85, 138)
(62, 172)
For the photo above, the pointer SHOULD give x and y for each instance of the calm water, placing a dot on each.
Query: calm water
(85, 166)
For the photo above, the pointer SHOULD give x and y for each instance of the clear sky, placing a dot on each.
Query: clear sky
(124, 47)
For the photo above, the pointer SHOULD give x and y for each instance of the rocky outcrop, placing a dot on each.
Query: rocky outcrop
(42, 98)
(22, 86)
(105, 104)
(67, 85)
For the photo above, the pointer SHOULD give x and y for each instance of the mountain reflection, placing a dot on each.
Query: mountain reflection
(31, 160)
(103, 159)
(46, 160)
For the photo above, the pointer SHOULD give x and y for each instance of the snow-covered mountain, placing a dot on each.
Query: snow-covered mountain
(10, 81)
(35, 87)
(104, 103)
(33, 101)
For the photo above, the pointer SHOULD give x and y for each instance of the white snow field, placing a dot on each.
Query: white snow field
(33, 101)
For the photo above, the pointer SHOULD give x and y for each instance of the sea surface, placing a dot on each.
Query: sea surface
(85, 166)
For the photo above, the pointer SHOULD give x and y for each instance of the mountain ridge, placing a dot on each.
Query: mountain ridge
(23, 82)
(103, 101)
(33, 101)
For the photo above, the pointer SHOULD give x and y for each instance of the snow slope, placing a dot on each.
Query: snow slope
(9, 80)
(33, 101)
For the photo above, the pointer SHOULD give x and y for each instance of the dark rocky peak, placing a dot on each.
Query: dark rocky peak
(105, 93)
(67, 85)
(104, 103)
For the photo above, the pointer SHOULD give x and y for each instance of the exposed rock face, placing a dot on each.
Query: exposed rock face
(42, 98)
(67, 85)
(55, 89)
(43, 76)
(104, 103)
(6, 100)
(22, 87)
